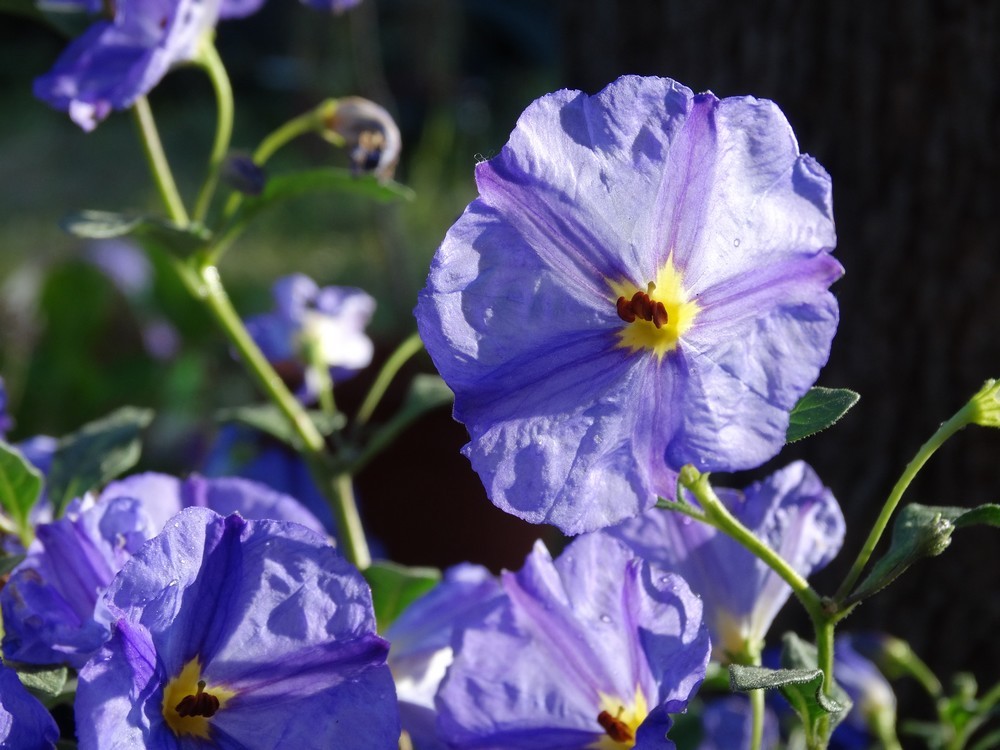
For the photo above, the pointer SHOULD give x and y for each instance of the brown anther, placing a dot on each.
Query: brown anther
(660, 316)
(615, 728)
(200, 704)
(642, 306)
(625, 310)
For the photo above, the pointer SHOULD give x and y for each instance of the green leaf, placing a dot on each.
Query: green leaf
(20, 488)
(809, 697)
(269, 419)
(818, 409)
(96, 453)
(395, 587)
(426, 392)
(920, 531)
(44, 682)
(178, 241)
(329, 179)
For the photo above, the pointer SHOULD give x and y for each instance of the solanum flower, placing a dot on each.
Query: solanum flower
(594, 650)
(309, 323)
(51, 604)
(641, 284)
(24, 722)
(230, 633)
(790, 510)
(421, 640)
(115, 62)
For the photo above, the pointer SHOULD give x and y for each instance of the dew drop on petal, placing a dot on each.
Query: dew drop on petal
(605, 618)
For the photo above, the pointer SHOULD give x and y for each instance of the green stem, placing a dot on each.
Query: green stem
(757, 707)
(315, 120)
(158, 165)
(214, 296)
(211, 63)
(308, 122)
(717, 515)
(352, 535)
(945, 431)
(823, 627)
(202, 280)
(403, 352)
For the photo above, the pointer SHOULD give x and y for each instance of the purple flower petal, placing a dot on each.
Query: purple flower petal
(52, 604)
(114, 63)
(272, 615)
(597, 630)
(576, 416)
(330, 319)
(24, 722)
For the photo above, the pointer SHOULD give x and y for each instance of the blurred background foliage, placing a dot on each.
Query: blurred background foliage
(899, 99)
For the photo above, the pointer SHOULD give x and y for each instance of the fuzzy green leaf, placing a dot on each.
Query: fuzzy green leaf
(96, 453)
(818, 409)
(920, 531)
(165, 235)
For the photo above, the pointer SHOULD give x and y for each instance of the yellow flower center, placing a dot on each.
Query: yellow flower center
(189, 703)
(620, 720)
(655, 317)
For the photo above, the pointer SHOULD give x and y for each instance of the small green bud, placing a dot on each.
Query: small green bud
(689, 476)
(984, 407)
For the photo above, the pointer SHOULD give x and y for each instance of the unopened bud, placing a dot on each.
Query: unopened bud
(370, 134)
(984, 407)
(241, 173)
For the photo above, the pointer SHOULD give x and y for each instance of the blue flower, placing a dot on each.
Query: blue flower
(51, 604)
(422, 645)
(330, 321)
(593, 650)
(642, 284)
(24, 722)
(791, 511)
(231, 633)
(115, 62)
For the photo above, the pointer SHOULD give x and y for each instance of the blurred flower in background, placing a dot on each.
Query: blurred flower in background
(312, 329)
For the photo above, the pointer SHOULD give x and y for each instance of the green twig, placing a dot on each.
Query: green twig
(945, 431)
(158, 165)
(403, 352)
(717, 515)
(211, 63)
(214, 296)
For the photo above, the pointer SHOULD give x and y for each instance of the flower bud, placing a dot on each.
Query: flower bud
(984, 407)
(370, 134)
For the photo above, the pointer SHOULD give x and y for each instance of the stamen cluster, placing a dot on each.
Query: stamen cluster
(643, 307)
